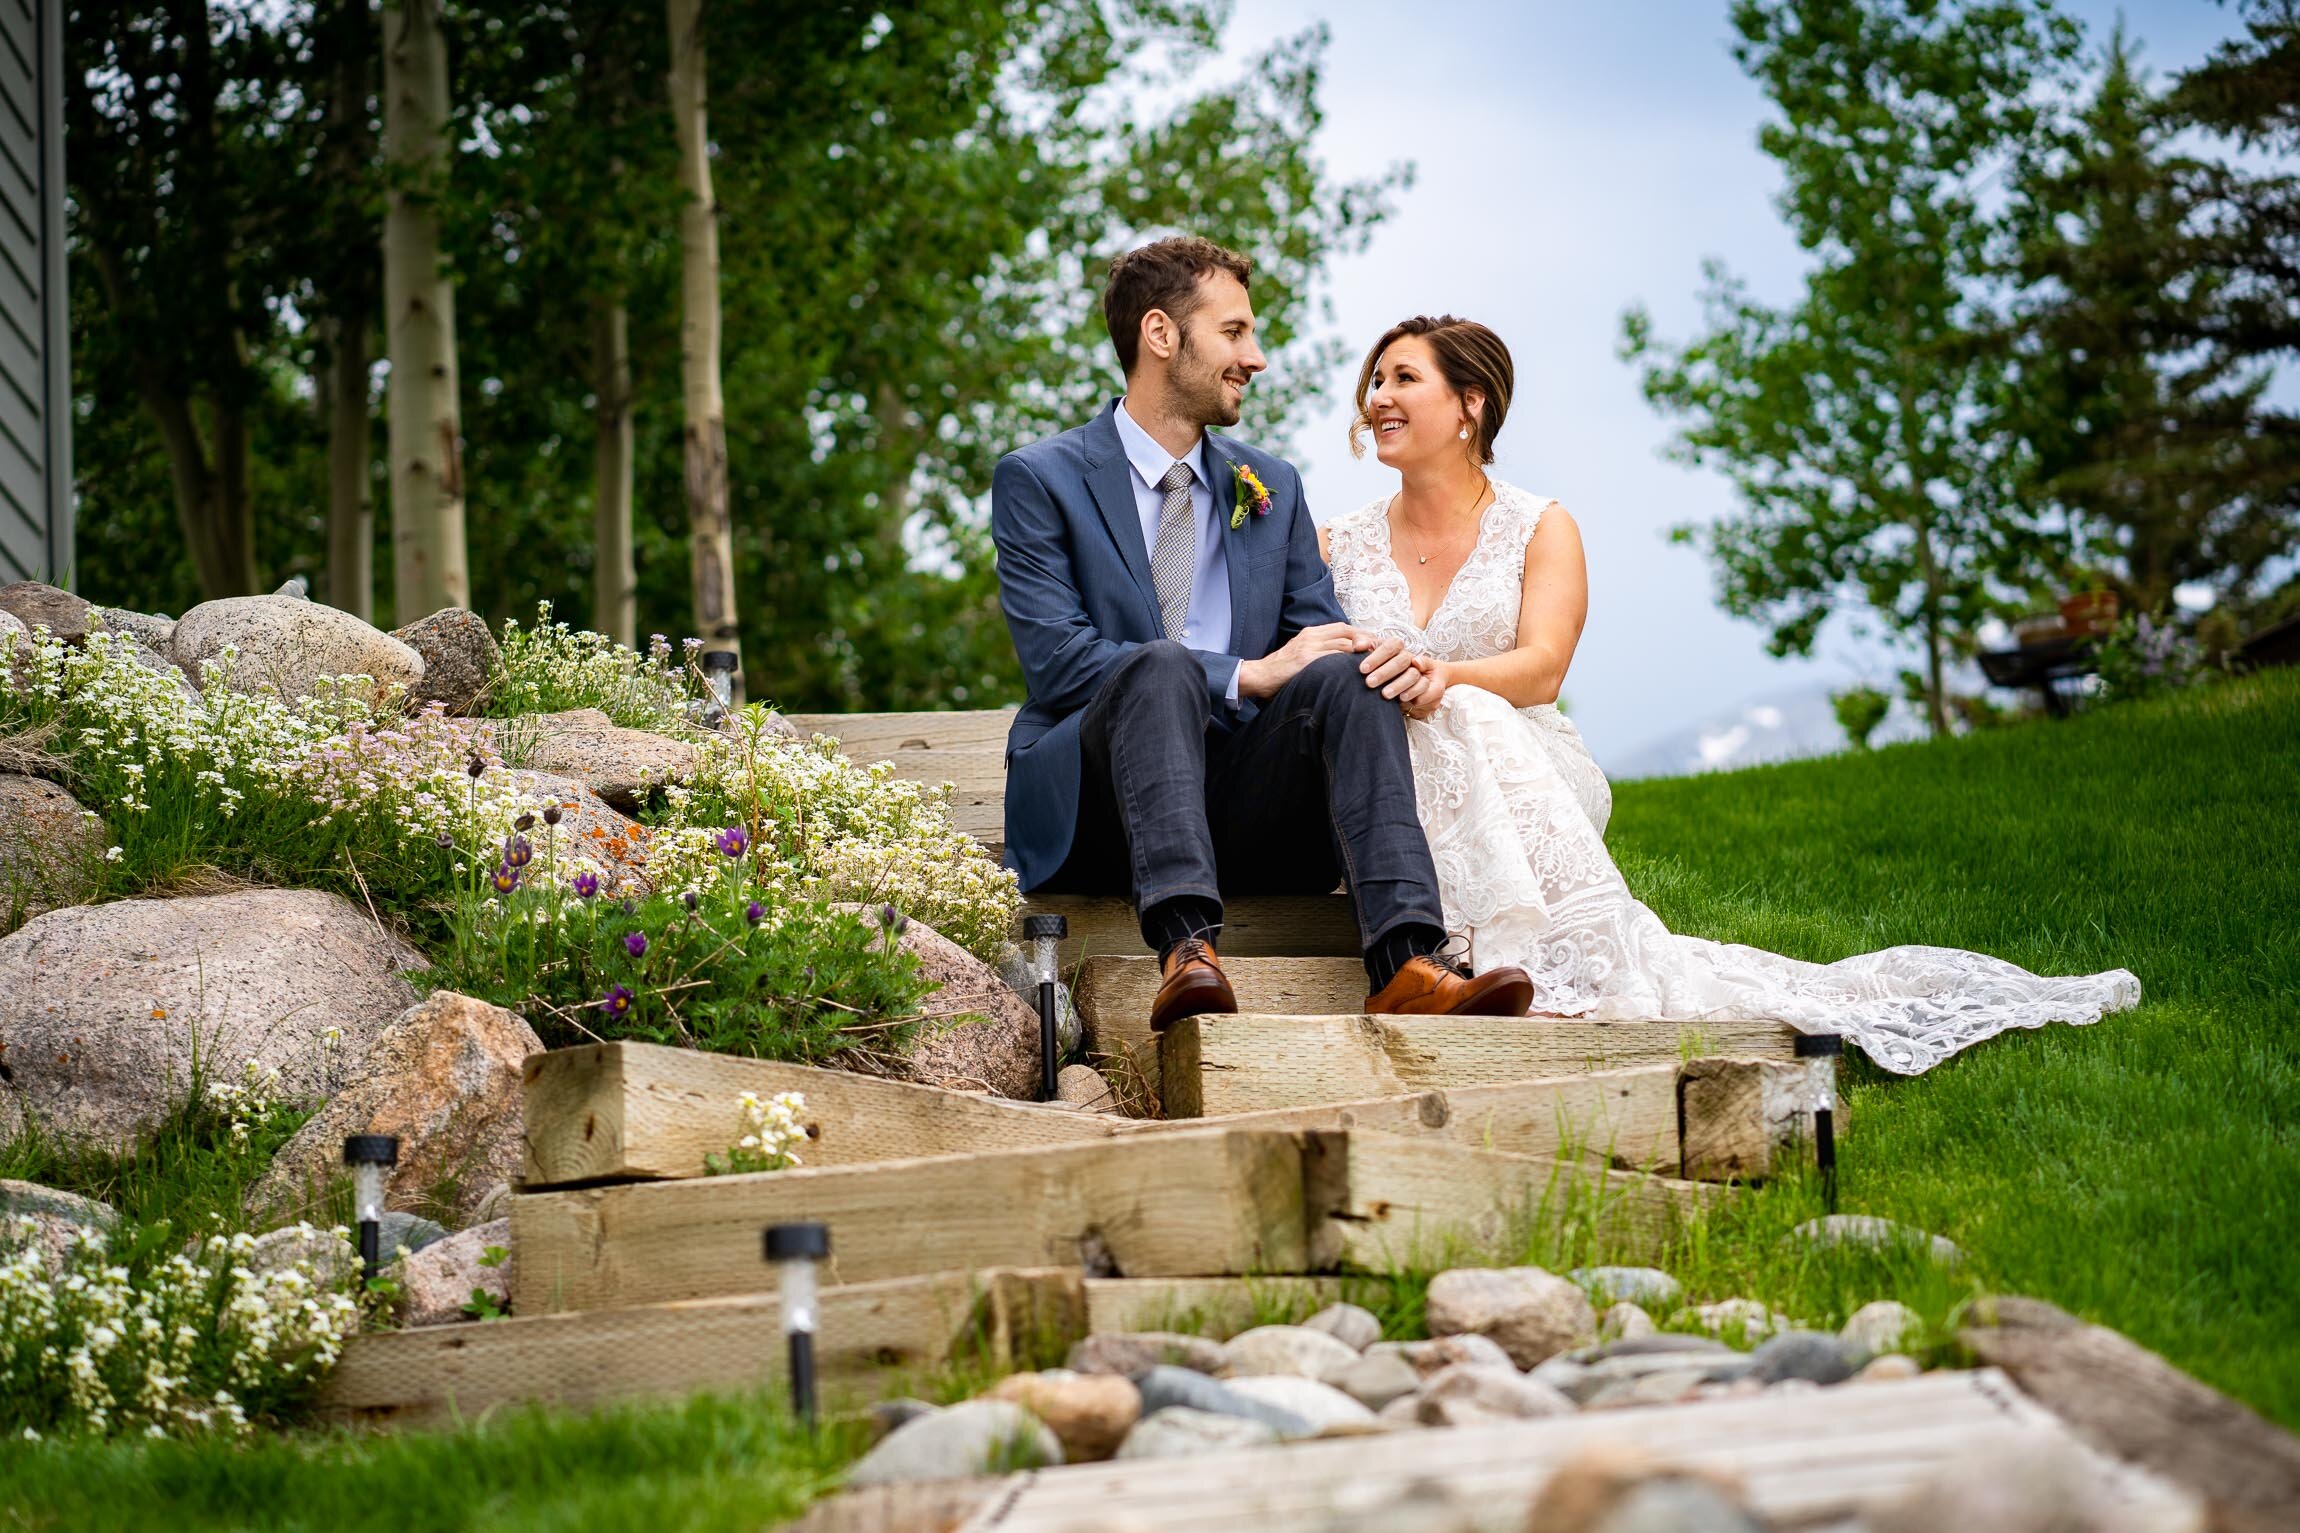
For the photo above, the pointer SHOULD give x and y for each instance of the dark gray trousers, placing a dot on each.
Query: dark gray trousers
(1317, 785)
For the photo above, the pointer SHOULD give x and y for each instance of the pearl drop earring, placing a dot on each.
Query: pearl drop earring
(1465, 433)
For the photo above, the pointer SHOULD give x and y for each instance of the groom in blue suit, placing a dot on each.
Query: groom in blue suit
(1202, 718)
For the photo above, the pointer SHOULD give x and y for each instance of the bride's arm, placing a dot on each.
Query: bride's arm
(1551, 610)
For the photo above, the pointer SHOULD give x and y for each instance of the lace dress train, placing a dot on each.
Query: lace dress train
(1515, 811)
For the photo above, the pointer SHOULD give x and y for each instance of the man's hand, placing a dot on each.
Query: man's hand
(1262, 678)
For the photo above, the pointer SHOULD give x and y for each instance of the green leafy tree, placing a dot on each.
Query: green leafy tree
(1853, 423)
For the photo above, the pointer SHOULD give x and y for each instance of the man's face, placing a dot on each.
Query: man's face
(1217, 358)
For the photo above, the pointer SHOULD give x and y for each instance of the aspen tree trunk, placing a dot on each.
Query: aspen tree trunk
(710, 530)
(615, 588)
(430, 568)
(350, 510)
(350, 436)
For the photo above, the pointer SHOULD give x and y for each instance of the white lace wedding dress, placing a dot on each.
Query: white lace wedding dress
(1515, 811)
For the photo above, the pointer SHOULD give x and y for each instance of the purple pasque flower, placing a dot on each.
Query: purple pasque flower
(635, 943)
(517, 853)
(586, 884)
(688, 899)
(732, 841)
(754, 912)
(615, 1002)
(505, 878)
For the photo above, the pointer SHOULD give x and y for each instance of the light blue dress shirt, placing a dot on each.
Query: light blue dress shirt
(1208, 625)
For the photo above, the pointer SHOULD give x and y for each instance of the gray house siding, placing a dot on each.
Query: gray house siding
(35, 372)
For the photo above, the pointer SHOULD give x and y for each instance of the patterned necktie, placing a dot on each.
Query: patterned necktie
(1174, 557)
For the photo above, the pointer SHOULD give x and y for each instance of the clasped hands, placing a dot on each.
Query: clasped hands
(1416, 683)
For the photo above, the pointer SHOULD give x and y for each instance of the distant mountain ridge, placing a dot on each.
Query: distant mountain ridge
(1778, 726)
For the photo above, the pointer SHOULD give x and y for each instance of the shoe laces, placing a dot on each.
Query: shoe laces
(1452, 955)
(1188, 950)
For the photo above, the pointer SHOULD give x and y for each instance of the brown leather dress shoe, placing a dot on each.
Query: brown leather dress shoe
(1443, 987)
(1195, 985)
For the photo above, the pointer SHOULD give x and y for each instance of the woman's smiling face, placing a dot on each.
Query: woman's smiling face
(1413, 412)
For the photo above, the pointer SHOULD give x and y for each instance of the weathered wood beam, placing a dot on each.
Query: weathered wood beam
(2125, 1400)
(1626, 1116)
(1202, 1204)
(1211, 1066)
(871, 1335)
(1807, 1461)
(1115, 992)
(1394, 1204)
(1253, 925)
(640, 1111)
(868, 737)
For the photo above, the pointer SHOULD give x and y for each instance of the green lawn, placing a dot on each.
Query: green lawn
(2144, 1172)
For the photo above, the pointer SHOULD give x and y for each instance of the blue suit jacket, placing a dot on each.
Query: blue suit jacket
(1074, 581)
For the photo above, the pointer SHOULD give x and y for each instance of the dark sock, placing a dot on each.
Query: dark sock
(1390, 952)
(1169, 923)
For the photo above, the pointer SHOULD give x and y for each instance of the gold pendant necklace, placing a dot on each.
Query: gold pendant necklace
(1483, 486)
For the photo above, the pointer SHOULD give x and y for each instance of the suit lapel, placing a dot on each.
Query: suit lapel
(1111, 481)
(1222, 469)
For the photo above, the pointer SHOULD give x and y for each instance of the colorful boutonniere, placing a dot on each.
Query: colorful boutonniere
(1253, 495)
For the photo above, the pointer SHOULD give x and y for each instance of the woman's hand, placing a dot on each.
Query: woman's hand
(1422, 688)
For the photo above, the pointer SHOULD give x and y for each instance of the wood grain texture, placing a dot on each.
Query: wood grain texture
(1424, 1204)
(868, 737)
(1626, 1117)
(1210, 1066)
(1115, 992)
(871, 1336)
(1808, 1461)
(1216, 1307)
(1741, 1117)
(1253, 925)
(2127, 1401)
(1186, 1205)
(640, 1111)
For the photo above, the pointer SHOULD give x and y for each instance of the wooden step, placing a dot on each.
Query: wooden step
(621, 1112)
(640, 1111)
(1214, 1065)
(1208, 1203)
(1808, 1461)
(897, 737)
(1115, 991)
(870, 1337)
(1266, 926)
(966, 750)
(1186, 1203)
(1708, 1119)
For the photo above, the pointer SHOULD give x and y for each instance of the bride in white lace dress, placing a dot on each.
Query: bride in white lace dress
(1484, 586)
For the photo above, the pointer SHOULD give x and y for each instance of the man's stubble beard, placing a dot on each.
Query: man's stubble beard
(1204, 396)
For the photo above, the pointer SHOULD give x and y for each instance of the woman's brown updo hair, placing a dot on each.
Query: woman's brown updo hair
(1469, 356)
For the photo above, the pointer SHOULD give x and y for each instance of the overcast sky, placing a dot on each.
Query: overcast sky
(1574, 159)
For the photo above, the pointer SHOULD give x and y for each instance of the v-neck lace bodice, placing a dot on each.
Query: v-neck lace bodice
(1477, 616)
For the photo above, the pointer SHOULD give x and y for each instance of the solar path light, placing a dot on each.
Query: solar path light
(1044, 935)
(795, 1249)
(1821, 1051)
(371, 1157)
